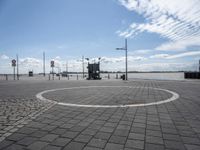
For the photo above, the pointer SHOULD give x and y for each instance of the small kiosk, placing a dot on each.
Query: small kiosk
(94, 71)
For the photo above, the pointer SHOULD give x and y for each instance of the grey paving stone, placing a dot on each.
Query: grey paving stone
(61, 141)
(136, 136)
(174, 145)
(138, 130)
(49, 137)
(5, 143)
(107, 129)
(91, 148)
(38, 145)
(192, 147)
(74, 146)
(191, 140)
(51, 147)
(103, 135)
(121, 132)
(27, 141)
(15, 147)
(149, 146)
(49, 128)
(112, 146)
(58, 131)
(74, 121)
(172, 137)
(57, 123)
(135, 144)
(123, 127)
(176, 122)
(153, 133)
(169, 131)
(110, 124)
(117, 139)
(16, 136)
(90, 131)
(27, 130)
(37, 125)
(153, 127)
(187, 133)
(99, 143)
(67, 126)
(39, 133)
(126, 148)
(77, 128)
(154, 140)
(70, 134)
(83, 138)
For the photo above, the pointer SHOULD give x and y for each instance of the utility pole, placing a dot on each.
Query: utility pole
(43, 63)
(126, 57)
(17, 67)
(83, 66)
(199, 65)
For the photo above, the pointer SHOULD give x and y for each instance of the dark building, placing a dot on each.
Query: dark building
(94, 71)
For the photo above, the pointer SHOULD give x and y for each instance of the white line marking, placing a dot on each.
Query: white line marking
(174, 97)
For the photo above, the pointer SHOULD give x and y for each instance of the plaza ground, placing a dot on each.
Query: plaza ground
(27, 122)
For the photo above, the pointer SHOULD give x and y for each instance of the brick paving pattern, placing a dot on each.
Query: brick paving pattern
(31, 124)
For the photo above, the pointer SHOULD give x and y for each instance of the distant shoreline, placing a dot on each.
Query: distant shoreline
(112, 72)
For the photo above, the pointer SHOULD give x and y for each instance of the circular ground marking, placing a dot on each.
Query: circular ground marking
(172, 98)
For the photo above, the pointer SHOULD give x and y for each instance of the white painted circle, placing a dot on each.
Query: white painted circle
(174, 97)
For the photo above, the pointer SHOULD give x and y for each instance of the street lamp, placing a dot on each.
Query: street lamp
(126, 63)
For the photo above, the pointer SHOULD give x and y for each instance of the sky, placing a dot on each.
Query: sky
(162, 35)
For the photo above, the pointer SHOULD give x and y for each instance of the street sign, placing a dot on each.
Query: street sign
(13, 62)
(52, 63)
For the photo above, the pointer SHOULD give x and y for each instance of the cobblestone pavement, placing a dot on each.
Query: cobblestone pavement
(31, 124)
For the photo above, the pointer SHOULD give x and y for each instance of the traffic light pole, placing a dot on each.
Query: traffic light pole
(53, 73)
(14, 72)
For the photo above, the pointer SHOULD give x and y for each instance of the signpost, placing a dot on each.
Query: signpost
(14, 65)
(52, 66)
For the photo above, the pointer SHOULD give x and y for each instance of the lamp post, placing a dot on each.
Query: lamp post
(99, 66)
(126, 61)
(44, 64)
(83, 67)
(88, 66)
(199, 65)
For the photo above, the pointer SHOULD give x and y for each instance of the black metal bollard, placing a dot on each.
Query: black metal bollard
(59, 76)
(6, 77)
(49, 77)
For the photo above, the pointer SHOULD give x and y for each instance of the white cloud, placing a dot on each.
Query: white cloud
(160, 56)
(176, 20)
(30, 62)
(4, 57)
(136, 58)
(180, 55)
(140, 51)
(163, 67)
(193, 53)
(122, 59)
(179, 45)
(57, 57)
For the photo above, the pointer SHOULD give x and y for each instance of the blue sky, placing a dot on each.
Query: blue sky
(162, 34)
